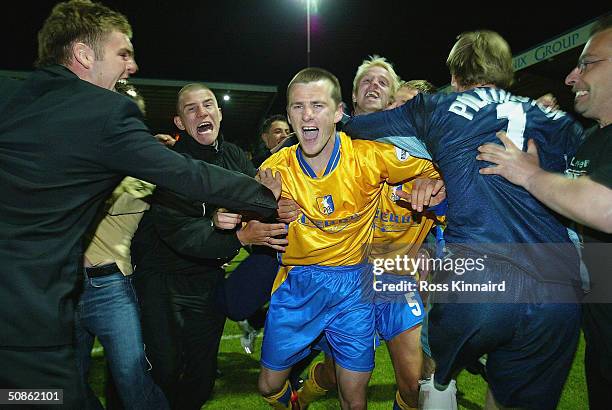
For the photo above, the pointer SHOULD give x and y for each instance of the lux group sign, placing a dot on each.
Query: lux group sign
(553, 47)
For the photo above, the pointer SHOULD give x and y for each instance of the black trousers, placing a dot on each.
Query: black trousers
(42, 368)
(241, 295)
(182, 330)
(597, 327)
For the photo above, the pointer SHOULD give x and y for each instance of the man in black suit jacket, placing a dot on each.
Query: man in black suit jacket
(66, 140)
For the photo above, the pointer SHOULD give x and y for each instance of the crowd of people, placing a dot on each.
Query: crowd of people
(460, 229)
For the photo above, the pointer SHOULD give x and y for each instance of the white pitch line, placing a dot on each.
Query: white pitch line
(230, 337)
(99, 350)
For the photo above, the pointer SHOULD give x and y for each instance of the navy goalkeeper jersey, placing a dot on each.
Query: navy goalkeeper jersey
(487, 213)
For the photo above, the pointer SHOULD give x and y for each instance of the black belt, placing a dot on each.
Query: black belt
(105, 270)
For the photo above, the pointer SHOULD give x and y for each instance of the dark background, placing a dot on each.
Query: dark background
(264, 41)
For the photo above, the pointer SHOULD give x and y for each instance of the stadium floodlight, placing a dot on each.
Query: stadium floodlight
(311, 7)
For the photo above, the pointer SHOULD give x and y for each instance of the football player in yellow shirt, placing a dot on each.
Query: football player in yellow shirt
(398, 230)
(323, 286)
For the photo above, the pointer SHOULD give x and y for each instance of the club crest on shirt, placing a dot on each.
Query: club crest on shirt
(401, 154)
(326, 204)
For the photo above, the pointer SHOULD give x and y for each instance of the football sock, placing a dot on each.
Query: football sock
(280, 400)
(311, 390)
(400, 404)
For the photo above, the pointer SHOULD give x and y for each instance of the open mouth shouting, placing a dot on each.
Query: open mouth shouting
(205, 127)
(310, 134)
(372, 95)
(580, 95)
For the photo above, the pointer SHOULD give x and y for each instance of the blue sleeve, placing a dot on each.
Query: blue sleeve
(393, 126)
(560, 144)
(380, 124)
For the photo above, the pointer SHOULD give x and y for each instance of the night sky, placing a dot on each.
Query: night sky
(264, 41)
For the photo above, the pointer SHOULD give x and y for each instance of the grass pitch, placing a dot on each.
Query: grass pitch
(237, 388)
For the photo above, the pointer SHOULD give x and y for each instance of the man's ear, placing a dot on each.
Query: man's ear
(83, 55)
(179, 123)
(339, 112)
(220, 114)
(454, 83)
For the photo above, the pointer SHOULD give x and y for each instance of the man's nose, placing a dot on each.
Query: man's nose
(132, 67)
(376, 83)
(572, 77)
(202, 111)
(308, 112)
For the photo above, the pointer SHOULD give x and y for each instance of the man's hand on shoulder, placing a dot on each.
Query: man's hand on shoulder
(165, 139)
(273, 182)
(288, 210)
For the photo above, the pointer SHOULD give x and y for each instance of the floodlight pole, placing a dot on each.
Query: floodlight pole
(308, 33)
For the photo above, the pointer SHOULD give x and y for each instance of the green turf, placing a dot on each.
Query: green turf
(237, 388)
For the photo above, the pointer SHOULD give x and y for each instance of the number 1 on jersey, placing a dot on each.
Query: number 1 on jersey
(513, 111)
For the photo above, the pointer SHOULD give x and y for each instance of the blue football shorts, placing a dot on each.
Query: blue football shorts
(397, 310)
(334, 301)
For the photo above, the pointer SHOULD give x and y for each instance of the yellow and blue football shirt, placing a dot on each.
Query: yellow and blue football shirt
(398, 229)
(339, 205)
(327, 290)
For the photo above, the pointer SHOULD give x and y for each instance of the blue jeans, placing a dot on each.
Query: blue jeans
(108, 308)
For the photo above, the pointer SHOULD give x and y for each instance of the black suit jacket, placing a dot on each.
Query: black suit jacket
(64, 145)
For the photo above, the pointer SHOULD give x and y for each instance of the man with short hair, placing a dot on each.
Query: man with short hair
(530, 329)
(374, 85)
(274, 131)
(398, 230)
(66, 140)
(181, 249)
(323, 286)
